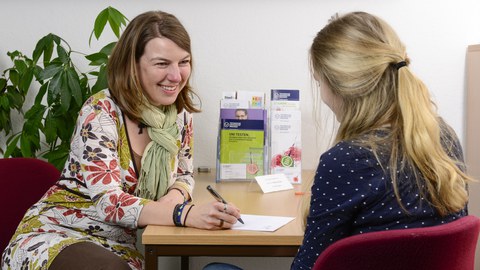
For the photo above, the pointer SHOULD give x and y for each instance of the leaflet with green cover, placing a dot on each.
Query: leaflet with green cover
(241, 144)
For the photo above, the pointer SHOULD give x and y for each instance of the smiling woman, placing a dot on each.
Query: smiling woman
(118, 178)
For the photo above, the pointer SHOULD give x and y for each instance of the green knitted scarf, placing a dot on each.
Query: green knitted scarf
(157, 158)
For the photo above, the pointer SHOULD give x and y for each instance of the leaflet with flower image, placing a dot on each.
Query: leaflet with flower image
(285, 134)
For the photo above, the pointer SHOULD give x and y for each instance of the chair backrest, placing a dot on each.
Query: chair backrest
(448, 246)
(23, 182)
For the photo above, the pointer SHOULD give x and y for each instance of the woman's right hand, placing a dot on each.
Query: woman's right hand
(213, 216)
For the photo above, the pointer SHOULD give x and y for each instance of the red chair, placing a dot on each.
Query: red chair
(445, 247)
(23, 182)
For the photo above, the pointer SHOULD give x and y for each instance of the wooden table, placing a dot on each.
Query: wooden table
(185, 242)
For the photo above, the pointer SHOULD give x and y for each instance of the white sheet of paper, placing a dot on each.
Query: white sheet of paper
(261, 223)
(273, 182)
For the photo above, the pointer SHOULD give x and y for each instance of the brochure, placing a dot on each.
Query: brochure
(241, 144)
(285, 134)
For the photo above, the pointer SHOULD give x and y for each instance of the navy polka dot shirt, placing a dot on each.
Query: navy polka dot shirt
(351, 194)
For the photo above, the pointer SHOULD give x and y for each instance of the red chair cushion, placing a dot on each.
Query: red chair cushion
(23, 182)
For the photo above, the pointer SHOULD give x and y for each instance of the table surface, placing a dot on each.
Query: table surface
(250, 199)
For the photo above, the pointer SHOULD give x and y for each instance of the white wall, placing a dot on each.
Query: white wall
(260, 45)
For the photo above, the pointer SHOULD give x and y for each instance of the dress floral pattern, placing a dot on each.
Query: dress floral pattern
(93, 200)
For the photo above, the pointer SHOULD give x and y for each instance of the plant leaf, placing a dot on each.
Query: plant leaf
(12, 145)
(66, 95)
(4, 104)
(15, 97)
(116, 19)
(99, 24)
(44, 46)
(14, 54)
(50, 130)
(107, 49)
(20, 65)
(48, 51)
(3, 83)
(54, 88)
(102, 82)
(58, 156)
(114, 26)
(25, 145)
(37, 70)
(26, 80)
(30, 138)
(63, 55)
(97, 59)
(35, 112)
(14, 77)
(49, 71)
(41, 93)
(84, 86)
(74, 85)
(5, 123)
(65, 125)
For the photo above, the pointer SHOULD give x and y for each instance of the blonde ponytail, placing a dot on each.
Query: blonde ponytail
(422, 140)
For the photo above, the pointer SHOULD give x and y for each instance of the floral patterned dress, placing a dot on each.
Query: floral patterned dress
(93, 200)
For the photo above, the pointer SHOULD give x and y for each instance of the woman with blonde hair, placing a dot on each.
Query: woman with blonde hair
(395, 163)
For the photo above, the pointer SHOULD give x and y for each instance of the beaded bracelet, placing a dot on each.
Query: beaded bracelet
(186, 215)
(177, 214)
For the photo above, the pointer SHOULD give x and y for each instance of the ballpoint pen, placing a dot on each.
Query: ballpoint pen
(219, 198)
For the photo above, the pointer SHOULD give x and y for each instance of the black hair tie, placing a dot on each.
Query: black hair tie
(400, 64)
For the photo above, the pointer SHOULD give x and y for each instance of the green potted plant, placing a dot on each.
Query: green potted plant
(62, 88)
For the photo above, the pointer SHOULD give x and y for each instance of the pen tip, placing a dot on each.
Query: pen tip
(241, 221)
